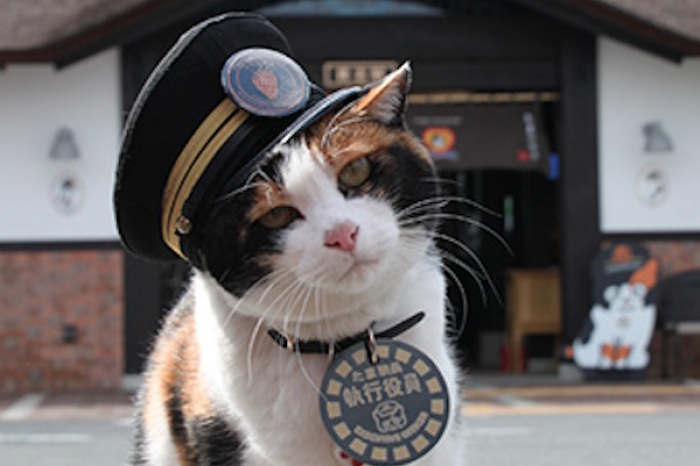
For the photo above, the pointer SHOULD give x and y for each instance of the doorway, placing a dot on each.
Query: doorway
(505, 220)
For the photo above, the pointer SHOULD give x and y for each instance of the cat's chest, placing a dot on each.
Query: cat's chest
(279, 404)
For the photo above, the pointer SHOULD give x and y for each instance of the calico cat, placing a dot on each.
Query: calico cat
(332, 235)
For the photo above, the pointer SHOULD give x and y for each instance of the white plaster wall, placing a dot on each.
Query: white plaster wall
(35, 101)
(636, 88)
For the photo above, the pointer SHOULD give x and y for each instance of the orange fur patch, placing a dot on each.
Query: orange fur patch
(175, 373)
(358, 139)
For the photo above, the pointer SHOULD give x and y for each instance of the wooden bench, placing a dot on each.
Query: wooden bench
(533, 307)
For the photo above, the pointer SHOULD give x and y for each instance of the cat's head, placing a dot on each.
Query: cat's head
(337, 214)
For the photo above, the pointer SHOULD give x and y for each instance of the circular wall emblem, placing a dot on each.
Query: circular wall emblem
(389, 413)
(652, 185)
(67, 193)
(265, 82)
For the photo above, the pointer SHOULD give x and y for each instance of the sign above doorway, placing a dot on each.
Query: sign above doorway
(343, 73)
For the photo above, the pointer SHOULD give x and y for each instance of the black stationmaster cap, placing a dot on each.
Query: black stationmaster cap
(204, 119)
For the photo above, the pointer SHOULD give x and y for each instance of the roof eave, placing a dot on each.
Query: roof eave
(597, 18)
(125, 28)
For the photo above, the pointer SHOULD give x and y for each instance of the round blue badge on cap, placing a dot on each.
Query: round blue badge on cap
(265, 82)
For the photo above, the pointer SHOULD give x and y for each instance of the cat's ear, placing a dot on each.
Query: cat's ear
(386, 99)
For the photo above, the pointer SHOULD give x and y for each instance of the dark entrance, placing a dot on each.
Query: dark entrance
(514, 227)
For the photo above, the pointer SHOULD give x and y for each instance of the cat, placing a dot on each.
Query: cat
(621, 331)
(338, 237)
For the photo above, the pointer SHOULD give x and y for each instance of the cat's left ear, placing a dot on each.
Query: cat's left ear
(386, 99)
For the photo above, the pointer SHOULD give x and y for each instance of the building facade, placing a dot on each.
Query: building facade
(547, 103)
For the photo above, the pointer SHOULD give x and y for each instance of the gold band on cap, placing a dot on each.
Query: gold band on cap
(206, 141)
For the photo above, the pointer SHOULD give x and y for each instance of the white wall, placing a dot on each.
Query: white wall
(636, 88)
(35, 101)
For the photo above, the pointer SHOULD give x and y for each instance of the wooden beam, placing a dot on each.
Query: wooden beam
(453, 38)
(579, 208)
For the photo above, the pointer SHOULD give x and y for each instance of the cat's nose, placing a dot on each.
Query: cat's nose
(343, 236)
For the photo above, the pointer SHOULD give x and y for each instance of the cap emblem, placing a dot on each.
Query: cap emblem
(265, 82)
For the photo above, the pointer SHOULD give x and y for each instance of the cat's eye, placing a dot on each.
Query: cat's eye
(279, 217)
(355, 173)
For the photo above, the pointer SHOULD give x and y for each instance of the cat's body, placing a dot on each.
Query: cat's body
(201, 376)
(332, 235)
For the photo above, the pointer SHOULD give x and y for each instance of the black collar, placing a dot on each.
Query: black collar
(324, 347)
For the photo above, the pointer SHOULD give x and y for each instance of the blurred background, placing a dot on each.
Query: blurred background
(570, 127)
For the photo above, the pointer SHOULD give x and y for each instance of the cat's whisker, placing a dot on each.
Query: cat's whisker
(471, 272)
(236, 192)
(438, 180)
(261, 173)
(473, 256)
(340, 152)
(446, 216)
(271, 314)
(325, 321)
(290, 298)
(277, 277)
(478, 276)
(411, 247)
(324, 328)
(289, 309)
(465, 303)
(426, 205)
(265, 318)
(441, 201)
(273, 281)
(262, 320)
(300, 296)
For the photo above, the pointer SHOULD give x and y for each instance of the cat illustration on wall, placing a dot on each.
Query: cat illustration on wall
(621, 327)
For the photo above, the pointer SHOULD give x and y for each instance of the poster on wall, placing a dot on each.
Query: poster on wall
(483, 136)
(621, 322)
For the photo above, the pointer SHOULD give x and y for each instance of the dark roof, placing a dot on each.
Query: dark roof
(670, 28)
(62, 31)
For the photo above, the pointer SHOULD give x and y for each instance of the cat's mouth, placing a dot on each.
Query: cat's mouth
(360, 270)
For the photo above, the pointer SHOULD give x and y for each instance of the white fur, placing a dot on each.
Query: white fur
(160, 448)
(271, 394)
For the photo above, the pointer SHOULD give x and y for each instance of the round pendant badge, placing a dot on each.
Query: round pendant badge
(389, 413)
(265, 82)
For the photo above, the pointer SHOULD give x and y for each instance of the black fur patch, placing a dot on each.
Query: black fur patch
(234, 250)
(404, 179)
(216, 443)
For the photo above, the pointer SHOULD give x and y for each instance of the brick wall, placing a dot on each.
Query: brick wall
(686, 364)
(676, 257)
(61, 316)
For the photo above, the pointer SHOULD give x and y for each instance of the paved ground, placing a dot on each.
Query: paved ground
(536, 422)
(65, 430)
(559, 423)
